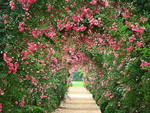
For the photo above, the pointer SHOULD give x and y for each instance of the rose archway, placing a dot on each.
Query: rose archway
(43, 42)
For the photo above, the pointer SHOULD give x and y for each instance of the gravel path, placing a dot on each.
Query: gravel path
(79, 100)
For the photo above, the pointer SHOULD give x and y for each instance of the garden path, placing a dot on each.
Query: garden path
(79, 100)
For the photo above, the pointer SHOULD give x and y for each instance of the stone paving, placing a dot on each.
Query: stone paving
(79, 100)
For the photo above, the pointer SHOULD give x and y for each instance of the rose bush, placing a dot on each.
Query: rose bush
(118, 85)
(41, 40)
(33, 75)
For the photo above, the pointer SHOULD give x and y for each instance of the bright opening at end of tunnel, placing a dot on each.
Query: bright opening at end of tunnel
(77, 78)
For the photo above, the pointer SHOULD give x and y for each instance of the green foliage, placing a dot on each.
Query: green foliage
(77, 75)
(103, 104)
(41, 81)
(33, 109)
(118, 86)
(33, 68)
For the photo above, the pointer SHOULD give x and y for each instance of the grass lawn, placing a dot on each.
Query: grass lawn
(77, 83)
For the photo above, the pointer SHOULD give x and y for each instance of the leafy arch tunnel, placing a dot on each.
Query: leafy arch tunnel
(43, 42)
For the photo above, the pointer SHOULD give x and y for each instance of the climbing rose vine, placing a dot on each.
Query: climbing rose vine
(43, 42)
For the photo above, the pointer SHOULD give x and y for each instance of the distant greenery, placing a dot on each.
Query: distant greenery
(77, 83)
(77, 75)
